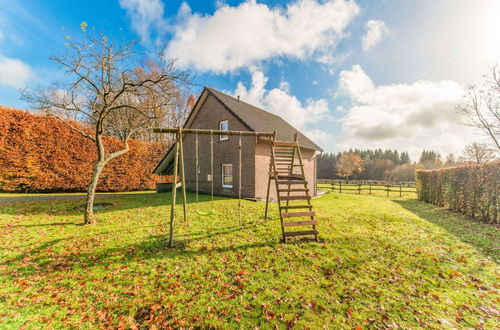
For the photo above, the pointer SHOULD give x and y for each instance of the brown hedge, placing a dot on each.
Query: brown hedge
(41, 154)
(472, 190)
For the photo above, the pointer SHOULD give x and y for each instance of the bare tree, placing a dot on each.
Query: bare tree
(482, 109)
(111, 91)
(349, 164)
(477, 153)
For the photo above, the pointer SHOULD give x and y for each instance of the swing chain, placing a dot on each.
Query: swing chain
(239, 181)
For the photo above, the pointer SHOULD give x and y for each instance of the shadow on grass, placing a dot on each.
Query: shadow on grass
(50, 224)
(485, 237)
(72, 206)
(152, 247)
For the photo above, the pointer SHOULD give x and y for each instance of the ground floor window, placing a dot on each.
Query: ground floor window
(227, 175)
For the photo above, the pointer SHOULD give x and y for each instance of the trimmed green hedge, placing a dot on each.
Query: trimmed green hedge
(472, 190)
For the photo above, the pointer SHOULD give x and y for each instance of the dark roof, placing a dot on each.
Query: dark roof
(252, 117)
(262, 121)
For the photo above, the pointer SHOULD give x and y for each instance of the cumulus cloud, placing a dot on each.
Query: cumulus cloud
(14, 72)
(238, 36)
(146, 16)
(280, 102)
(375, 30)
(405, 116)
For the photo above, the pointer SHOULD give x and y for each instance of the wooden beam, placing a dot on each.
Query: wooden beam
(212, 132)
(174, 193)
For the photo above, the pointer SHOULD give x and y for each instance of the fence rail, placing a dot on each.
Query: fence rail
(369, 186)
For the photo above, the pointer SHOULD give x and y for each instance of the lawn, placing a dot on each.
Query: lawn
(380, 263)
(13, 195)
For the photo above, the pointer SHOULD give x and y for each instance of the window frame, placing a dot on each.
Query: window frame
(222, 176)
(223, 137)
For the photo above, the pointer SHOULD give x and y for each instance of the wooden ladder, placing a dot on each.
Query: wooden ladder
(288, 180)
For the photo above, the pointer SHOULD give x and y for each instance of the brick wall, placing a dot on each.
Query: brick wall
(262, 169)
(225, 152)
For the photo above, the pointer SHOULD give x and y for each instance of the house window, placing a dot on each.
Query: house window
(227, 175)
(223, 126)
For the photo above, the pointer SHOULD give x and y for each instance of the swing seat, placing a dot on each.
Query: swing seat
(204, 213)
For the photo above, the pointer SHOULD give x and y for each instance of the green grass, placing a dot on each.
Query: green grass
(11, 195)
(380, 263)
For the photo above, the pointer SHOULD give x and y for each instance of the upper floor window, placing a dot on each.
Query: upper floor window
(223, 126)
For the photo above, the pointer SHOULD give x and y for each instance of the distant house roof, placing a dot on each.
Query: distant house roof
(254, 118)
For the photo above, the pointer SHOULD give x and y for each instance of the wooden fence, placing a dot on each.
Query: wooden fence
(372, 187)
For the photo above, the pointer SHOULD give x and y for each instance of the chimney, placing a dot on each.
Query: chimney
(238, 99)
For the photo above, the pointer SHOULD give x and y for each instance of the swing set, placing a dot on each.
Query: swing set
(282, 154)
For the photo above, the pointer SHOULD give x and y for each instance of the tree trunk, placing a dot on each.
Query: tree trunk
(89, 207)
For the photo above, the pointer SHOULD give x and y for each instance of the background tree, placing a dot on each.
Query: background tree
(110, 90)
(450, 160)
(430, 159)
(403, 173)
(482, 108)
(477, 153)
(349, 164)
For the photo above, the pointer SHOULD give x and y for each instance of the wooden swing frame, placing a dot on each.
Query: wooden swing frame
(180, 167)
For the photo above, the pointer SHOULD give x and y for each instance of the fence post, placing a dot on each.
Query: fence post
(359, 189)
(387, 188)
(340, 185)
(370, 187)
(400, 190)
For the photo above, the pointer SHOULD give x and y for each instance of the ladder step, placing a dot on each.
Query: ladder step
(295, 198)
(283, 157)
(301, 233)
(291, 177)
(298, 214)
(290, 182)
(284, 144)
(286, 207)
(293, 189)
(300, 223)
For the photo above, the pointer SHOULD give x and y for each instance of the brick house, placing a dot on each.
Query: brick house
(218, 111)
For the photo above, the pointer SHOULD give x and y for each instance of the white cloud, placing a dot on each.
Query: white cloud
(234, 37)
(14, 72)
(375, 30)
(280, 102)
(147, 17)
(403, 116)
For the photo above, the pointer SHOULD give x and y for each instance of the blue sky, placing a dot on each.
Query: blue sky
(364, 74)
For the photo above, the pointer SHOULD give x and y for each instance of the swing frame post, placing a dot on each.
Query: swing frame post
(179, 166)
(174, 192)
(272, 138)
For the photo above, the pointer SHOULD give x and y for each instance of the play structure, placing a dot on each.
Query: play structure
(291, 185)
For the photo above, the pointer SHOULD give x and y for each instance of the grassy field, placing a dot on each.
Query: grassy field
(380, 263)
(13, 195)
